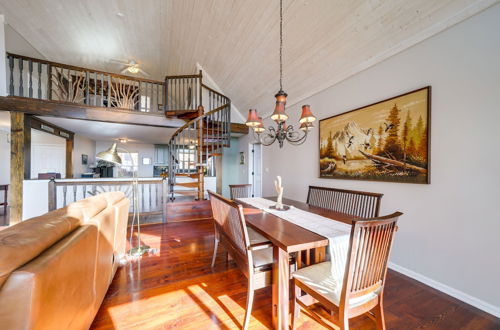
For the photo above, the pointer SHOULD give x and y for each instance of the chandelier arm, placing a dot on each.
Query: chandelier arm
(297, 141)
(268, 143)
(267, 137)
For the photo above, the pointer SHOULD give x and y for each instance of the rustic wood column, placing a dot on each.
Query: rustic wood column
(27, 146)
(69, 157)
(16, 167)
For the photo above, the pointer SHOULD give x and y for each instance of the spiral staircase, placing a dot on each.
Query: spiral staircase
(194, 146)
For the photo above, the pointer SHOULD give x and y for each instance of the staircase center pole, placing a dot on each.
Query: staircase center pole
(200, 168)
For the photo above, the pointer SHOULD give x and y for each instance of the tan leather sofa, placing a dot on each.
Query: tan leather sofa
(56, 268)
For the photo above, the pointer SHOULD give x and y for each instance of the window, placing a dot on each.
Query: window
(187, 160)
(130, 163)
(145, 103)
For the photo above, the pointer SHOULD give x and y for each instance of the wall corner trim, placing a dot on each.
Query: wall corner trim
(464, 297)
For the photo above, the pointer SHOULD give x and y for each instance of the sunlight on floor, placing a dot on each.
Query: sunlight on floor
(181, 306)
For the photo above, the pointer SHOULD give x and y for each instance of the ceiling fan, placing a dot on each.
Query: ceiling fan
(130, 67)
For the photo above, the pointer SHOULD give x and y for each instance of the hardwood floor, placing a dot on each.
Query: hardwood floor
(175, 288)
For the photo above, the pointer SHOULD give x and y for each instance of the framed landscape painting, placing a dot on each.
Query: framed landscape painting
(385, 141)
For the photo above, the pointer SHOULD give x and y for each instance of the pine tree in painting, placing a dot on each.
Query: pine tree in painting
(412, 149)
(330, 153)
(406, 135)
(422, 146)
(380, 144)
(418, 130)
(392, 145)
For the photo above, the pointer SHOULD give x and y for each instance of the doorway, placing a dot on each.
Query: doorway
(255, 169)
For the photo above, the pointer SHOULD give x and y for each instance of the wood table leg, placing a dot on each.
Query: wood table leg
(281, 288)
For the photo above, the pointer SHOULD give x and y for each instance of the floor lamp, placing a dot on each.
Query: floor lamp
(111, 156)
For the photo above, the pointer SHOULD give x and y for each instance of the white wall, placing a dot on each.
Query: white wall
(82, 145)
(449, 234)
(230, 166)
(144, 150)
(48, 154)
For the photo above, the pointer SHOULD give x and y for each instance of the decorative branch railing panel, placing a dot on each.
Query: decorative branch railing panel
(45, 80)
(152, 193)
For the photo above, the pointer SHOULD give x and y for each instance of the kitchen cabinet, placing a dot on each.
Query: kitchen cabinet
(161, 154)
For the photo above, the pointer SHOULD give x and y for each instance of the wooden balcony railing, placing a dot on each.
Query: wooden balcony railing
(46, 80)
(152, 193)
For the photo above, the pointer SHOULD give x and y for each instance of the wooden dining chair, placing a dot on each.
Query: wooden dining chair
(253, 259)
(240, 190)
(361, 290)
(358, 203)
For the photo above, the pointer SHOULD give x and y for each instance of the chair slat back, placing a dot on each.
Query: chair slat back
(230, 221)
(358, 203)
(240, 191)
(370, 246)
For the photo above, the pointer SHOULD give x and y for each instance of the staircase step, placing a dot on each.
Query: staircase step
(193, 184)
(188, 175)
(186, 192)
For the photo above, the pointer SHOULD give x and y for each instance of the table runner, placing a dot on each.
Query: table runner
(337, 232)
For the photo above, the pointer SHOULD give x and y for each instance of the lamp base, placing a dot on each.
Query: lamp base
(139, 251)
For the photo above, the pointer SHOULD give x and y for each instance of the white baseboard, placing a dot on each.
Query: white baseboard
(478, 303)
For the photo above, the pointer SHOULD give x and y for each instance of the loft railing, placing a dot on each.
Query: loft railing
(184, 93)
(46, 80)
(152, 193)
(192, 145)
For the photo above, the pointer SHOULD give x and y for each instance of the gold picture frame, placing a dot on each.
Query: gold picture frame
(384, 141)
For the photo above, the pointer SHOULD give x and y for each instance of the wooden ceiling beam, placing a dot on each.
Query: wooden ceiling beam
(82, 112)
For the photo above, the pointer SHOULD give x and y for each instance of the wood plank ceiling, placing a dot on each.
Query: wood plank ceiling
(235, 41)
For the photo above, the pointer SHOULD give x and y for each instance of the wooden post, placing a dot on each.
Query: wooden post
(16, 167)
(27, 146)
(52, 195)
(69, 157)
(164, 199)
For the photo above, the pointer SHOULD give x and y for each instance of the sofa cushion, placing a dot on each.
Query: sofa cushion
(26, 240)
(56, 289)
(113, 197)
(87, 208)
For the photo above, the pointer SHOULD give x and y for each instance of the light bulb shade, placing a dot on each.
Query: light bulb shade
(279, 114)
(253, 118)
(110, 155)
(307, 116)
(306, 126)
(259, 128)
(133, 69)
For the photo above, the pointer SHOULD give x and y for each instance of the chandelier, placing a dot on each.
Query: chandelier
(282, 132)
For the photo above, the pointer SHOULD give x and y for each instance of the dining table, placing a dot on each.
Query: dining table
(288, 237)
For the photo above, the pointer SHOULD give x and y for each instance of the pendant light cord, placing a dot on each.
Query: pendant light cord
(281, 45)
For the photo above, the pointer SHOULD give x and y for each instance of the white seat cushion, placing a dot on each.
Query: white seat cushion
(255, 237)
(262, 257)
(319, 278)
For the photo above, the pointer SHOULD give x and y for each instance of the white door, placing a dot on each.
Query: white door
(255, 169)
